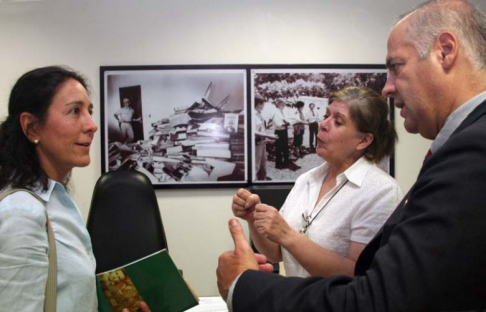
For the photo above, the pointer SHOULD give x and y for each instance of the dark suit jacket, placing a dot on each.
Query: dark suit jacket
(429, 256)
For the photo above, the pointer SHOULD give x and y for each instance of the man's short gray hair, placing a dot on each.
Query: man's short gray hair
(462, 18)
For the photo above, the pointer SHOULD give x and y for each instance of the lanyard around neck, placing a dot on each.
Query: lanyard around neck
(307, 219)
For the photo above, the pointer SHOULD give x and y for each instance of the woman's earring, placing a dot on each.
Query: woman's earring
(36, 141)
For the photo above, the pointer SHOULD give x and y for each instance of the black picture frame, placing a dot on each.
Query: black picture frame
(184, 127)
(214, 104)
(308, 84)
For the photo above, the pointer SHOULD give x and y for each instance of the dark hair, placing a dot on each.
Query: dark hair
(33, 92)
(299, 104)
(369, 112)
(259, 100)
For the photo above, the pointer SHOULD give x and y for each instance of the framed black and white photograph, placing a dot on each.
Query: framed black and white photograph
(300, 93)
(181, 126)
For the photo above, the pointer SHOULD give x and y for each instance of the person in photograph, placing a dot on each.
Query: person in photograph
(48, 132)
(333, 210)
(260, 141)
(231, 127)
(313, 119)
(281, 123)
(299, 129)
(429, 255)
(124, 116)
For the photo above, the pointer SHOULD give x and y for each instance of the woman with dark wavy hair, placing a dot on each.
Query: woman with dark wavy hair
(48, 132)
(31, 96)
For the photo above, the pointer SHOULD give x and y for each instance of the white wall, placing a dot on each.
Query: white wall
(92, 33)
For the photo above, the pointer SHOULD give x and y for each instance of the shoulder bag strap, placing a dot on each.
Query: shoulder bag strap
(50, 300)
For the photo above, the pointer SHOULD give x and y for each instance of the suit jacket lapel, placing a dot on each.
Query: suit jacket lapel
(381, 238)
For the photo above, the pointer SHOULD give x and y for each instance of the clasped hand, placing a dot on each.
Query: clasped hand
(266, 219)
(270, 224)
(244, 203)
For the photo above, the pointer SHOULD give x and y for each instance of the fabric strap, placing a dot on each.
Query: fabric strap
(50, 300)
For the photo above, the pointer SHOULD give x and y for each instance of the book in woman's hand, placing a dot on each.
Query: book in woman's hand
(154, 279)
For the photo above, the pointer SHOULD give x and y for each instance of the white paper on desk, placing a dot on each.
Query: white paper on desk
(210, 304)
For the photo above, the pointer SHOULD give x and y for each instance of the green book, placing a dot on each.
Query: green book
(154, 279)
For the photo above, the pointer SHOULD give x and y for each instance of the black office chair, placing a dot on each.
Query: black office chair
(124, 219)
(273, 195)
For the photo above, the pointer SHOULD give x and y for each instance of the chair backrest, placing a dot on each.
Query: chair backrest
(124, 219)
(273, 195)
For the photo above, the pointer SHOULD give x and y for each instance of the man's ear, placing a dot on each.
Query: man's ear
(448, 49)
(365, 141)
(30, 125)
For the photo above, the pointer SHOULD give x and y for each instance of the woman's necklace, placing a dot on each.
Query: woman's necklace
(308, 219)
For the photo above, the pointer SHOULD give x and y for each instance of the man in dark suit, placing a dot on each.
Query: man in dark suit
(429, 256)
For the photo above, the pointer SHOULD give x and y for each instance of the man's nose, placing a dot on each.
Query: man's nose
(389, 89)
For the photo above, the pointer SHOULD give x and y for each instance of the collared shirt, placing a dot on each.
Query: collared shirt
(125, 114)
(455, 119)
(259, 128)
(354, 210)
(259, 122)
(280, 119)
(298, 121)
(24, 247)
(312, 116)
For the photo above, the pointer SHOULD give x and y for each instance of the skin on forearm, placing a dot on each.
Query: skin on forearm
(317, 260)
(266, 247)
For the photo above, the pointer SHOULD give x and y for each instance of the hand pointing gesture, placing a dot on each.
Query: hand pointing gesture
(232, 263)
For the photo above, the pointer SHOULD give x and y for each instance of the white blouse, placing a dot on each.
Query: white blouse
(352, 211)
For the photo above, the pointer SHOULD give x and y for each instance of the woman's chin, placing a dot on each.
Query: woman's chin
(321, 152)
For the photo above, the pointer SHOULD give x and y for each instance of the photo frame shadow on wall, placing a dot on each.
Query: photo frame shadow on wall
(196, 126)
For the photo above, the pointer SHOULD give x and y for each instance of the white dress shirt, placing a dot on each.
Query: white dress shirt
(125, 114)
(280, 119)
(312, 116)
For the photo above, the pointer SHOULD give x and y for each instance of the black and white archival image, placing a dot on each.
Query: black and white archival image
(281, 151)
(181, 127)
